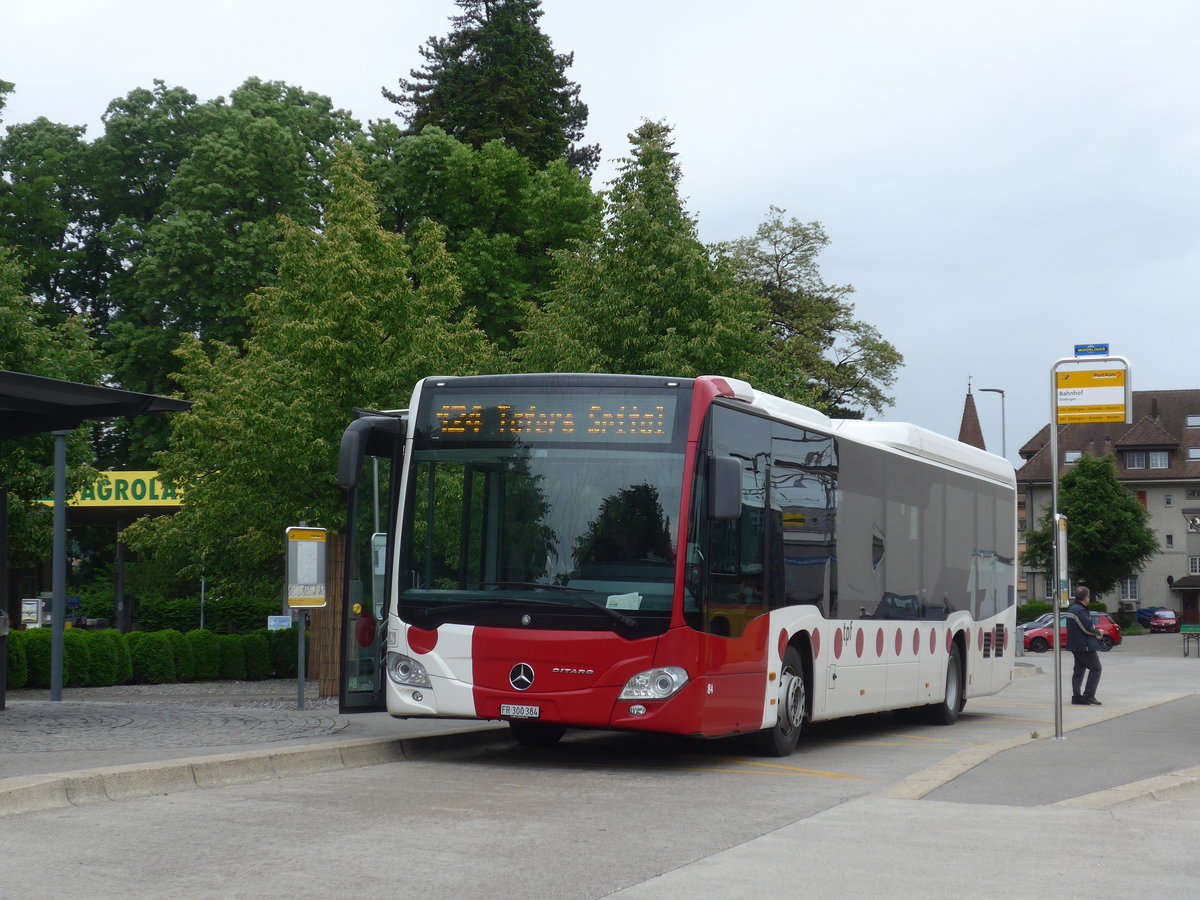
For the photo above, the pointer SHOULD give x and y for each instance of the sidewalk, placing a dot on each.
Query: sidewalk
(137, 740)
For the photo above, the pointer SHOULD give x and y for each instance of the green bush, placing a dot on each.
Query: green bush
(233, 659)
(37, 657)
(162, 614)
(153, 662)
(185, 659)
(76, 658)
(124, 662)
(96, 601)
(206, 654)
(16, 669)
(103, 660)
(222, 615)
(258, 655)
(1032, 609)
(283, 652)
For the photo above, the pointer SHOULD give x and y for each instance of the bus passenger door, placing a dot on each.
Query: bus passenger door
(366, 466)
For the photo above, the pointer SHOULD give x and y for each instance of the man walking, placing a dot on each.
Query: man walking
(1083, 641)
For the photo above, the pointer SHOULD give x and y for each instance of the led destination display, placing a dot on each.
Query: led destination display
(552, 417)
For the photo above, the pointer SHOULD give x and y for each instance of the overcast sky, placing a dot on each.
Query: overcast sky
(1000, 180)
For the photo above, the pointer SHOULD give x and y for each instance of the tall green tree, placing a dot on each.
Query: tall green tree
(817, 344)
(214, 238)
(59, 350)
(501, 213)
(646, 296)
(356, 315)
(1108, 535)
(44, 201)
(496, 77)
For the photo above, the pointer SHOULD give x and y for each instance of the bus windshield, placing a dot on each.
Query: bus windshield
(546, 527)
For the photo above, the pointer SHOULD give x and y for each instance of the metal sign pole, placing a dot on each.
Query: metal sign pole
(1086, 398)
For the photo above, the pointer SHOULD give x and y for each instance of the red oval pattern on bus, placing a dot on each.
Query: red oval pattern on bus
(420, 640)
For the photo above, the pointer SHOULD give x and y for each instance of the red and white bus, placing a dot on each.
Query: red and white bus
(675, 555)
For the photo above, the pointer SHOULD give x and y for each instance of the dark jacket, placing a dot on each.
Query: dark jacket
(1081, 633)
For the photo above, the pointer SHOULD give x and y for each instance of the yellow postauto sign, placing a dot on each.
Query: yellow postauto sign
(125, 489)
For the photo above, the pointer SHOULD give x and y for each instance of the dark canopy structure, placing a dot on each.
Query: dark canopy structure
(31, 404)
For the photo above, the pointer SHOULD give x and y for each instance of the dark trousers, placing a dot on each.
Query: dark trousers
(1086, 661)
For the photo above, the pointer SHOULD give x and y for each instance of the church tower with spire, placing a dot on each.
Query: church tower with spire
(970, 431)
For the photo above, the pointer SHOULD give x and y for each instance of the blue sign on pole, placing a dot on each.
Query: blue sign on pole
(1091, 349)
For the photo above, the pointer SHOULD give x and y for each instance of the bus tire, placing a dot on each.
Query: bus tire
(782, 737)
(946, 712)
(536, 734)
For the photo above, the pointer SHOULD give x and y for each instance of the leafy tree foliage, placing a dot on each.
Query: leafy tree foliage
(497, 77)
(646, 296)
(1108, 538)
(44, 200)
(355, 317)
(61, 350)
(502, 215)
(817, 344)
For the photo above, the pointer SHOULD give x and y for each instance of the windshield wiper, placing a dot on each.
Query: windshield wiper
(431, 612)
(530, 586)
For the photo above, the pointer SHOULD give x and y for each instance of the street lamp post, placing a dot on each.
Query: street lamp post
(1003, 436)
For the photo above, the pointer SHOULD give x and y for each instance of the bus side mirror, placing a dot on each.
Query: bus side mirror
(360, 436)
(724, 488)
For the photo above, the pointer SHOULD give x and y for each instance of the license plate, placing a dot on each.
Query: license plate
(509, 711)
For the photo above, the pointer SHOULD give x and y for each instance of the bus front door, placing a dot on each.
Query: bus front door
(368, 459)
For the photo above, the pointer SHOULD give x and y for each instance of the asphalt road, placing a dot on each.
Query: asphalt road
(866, 807)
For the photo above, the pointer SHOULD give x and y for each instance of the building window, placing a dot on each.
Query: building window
(1193, 494)
(1159, 459)
(1194, 565)
(1135, 459)
(1049, 587)
(1193, 421)
(1129, 588)
(1167, 500)
(1193, 454)
(1072, 456)
(1170, 540)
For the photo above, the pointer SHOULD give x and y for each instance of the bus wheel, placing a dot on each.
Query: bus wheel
(946, 712)
(536, 734)
(781, 738)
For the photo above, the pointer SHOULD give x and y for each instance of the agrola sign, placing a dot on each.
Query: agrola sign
(125, 489)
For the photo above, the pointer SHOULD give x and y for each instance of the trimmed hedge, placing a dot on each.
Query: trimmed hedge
(107, 657)
(185, 659)
(233, 657)
(103, 658)
(153, 661)
(16, 668)
(206, 654)
(76, 648)
(257, 651)
(37, 656)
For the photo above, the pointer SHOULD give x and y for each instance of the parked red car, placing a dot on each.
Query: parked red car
(1164, 620)
(1039, 640)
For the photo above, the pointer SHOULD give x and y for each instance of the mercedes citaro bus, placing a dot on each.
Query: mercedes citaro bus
(678, 555)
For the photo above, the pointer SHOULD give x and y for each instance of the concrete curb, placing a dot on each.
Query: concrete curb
(36, 793)
(921, 784)
(1159, 788)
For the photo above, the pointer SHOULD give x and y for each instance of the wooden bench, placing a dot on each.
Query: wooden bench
(1190, 633)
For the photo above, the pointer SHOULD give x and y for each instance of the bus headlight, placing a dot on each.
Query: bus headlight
(406, 670)
(654, 684)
